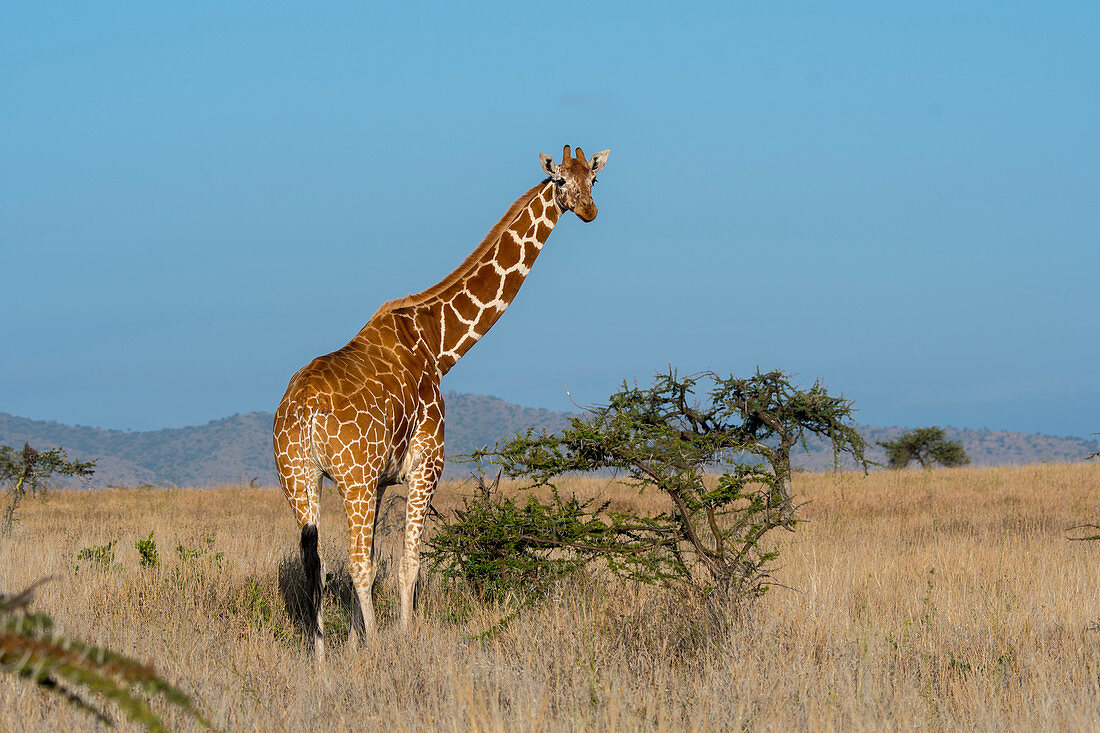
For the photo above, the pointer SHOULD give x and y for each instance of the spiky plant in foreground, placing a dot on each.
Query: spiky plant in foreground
(32, 650)
(1085, 528)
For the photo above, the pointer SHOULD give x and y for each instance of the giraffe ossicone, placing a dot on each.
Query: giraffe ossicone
(370, 415)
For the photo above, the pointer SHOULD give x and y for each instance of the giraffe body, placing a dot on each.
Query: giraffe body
(371, 414)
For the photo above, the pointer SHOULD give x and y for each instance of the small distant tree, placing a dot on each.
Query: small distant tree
(708, 539)
(1089, 527)
(26, 472)
(926, 446)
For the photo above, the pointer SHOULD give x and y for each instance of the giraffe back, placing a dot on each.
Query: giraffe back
(358, 407)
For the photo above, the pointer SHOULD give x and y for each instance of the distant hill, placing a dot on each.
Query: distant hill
(985, 447)
(237, 449)
(231, 450)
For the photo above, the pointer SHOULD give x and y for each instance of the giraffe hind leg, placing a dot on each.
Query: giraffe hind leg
(422, 485)
(360, 613)
(361, 498)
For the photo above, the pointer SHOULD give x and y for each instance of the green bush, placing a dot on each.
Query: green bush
(203, 551)
(147, 551)
(500, 545)
(101, 555)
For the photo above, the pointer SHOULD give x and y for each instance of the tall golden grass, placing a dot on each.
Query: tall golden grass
(930, 600)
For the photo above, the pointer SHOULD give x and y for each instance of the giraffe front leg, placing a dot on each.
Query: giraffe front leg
(422, 483)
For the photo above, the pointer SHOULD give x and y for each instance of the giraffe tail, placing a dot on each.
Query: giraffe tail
(311, 563)
(308, 426)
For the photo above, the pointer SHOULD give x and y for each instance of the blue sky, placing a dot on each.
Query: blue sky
(897, 198)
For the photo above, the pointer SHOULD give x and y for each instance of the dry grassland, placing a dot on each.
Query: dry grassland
(928, 600)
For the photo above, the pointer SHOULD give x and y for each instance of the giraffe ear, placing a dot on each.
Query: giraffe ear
(549, 165)
(599, 160)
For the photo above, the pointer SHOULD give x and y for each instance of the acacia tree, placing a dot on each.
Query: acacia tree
(663, 438)
(1088, 527)
(26, 471)
(927, 446)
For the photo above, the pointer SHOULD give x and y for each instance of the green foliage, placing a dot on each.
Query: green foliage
(187, 553)
(101, 555)
(32, 650)
(147, 551)
(187, 576)
(927, 446)
(709, 539)
(777, 416)
(500, 545)
(255, 605)
(203, 551)
(27, 470)
(258, 606)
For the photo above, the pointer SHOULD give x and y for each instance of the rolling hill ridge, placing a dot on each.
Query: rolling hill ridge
(237, 449)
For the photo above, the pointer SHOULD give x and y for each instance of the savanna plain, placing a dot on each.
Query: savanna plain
(920, 599)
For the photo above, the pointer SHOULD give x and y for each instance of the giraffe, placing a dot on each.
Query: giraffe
(370, 415)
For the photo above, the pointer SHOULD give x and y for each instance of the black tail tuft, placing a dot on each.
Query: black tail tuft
(311, 562)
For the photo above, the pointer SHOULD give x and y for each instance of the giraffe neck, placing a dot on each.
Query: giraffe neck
(466, 304)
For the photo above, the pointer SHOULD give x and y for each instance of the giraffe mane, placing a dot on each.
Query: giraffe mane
(474, 258)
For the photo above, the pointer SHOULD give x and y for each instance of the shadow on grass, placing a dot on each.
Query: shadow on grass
(339, 599)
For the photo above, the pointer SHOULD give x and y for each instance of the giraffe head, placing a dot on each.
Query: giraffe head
(573, 179)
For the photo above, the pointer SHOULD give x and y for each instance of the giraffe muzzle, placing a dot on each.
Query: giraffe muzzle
(586, 211)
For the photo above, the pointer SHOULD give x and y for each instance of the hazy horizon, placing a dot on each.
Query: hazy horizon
(446, 394)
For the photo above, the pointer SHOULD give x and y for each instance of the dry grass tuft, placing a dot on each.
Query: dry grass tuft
(936, 599)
